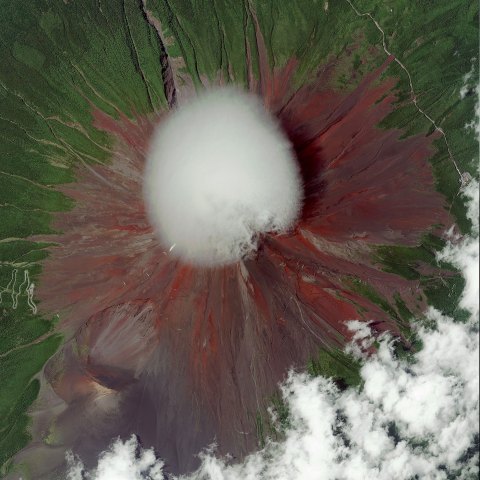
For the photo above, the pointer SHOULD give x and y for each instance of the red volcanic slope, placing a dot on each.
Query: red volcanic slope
(184, 356)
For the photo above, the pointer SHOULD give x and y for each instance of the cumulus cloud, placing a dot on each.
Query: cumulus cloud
(122, 461)
(410, 419)
(219, 173)
(463, 252)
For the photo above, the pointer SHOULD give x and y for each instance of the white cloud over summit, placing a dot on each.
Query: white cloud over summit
(409, 420)
(219, 173)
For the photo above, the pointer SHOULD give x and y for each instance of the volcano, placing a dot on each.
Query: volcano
(173, 347)
(186, 355)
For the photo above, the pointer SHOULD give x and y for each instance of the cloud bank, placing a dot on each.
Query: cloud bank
(219, 173)
(409, 419)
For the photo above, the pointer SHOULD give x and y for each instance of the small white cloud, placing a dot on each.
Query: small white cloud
(123, 461)
(464, 252)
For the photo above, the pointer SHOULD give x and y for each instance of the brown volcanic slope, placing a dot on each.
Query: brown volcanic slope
(184, 356)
